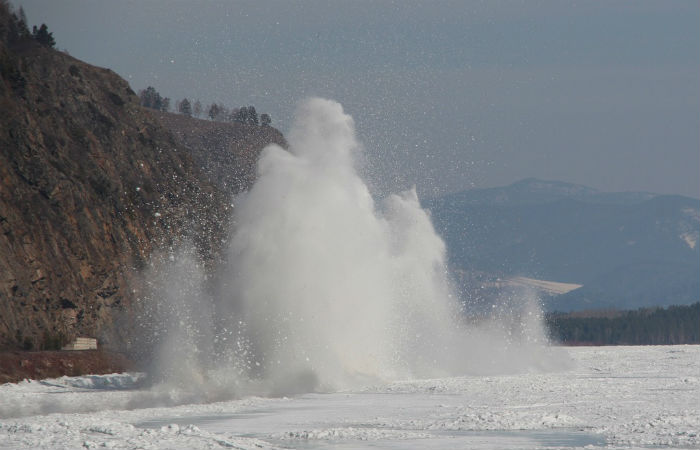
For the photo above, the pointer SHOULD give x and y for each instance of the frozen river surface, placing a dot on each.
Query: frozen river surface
(612, 397)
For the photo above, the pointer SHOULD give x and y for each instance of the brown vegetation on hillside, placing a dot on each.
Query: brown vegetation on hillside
(91, 185)
(226, 151)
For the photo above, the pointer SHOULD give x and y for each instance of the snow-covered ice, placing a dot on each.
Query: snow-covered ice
(611, 397)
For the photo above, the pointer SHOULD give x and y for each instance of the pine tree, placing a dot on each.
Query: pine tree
(241, 115)
(213, 111)
(185, 108)
(150, 98)
(22, 23)
(252, 116)
(43, 36)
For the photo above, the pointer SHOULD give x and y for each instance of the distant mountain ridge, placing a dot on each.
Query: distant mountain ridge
(536, 191)
(628, 250)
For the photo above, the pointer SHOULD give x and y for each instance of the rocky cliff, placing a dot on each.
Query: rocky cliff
(91, 184)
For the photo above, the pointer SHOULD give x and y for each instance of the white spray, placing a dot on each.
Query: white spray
(331, 289)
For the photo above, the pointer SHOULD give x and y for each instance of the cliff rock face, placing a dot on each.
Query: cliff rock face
(91, 184)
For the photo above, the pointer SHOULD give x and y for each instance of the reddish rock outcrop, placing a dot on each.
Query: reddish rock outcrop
(17, 366)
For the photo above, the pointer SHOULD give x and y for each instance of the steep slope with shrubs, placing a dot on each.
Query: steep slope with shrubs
(91, 184)
(226, 151)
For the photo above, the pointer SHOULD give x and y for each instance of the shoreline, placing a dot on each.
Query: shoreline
(18, 365)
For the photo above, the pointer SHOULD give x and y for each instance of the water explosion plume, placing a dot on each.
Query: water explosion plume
(326, 283)
(325, 289)
(330, 288)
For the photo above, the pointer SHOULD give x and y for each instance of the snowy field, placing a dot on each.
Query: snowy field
(612, 397)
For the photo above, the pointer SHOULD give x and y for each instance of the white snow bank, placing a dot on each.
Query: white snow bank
(618, 396)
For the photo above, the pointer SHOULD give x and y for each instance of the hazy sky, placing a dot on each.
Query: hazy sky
(446, 95)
